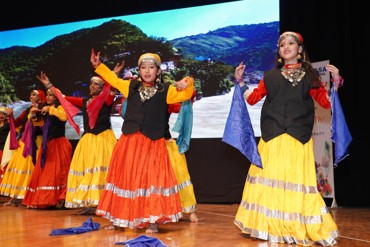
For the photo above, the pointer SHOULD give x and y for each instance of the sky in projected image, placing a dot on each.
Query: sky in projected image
(170, 24)
(209, 113)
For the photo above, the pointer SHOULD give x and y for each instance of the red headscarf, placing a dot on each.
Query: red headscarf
(41, 95)
(295, 34)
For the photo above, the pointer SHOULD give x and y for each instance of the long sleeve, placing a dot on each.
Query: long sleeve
(258, 93)
(110, 77)
(59, 112)
(175, 96)
(320, 96)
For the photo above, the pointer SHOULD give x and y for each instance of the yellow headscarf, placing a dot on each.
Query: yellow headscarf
(149, 57)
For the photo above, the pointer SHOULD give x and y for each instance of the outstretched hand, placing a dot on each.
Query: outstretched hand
(118, 68)
(239, 71)
(182, 84)
(43, 78)
(95, 58)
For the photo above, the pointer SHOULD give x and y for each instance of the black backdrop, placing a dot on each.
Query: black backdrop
(334, 30)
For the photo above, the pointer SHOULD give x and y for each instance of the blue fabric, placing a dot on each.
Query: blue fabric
(184, 126)
(340, 132)
(123, 108)
(239, 131)
(142, 241)
(87, 226)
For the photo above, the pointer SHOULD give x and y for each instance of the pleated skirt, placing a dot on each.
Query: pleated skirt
(280, 202)
(48, 184)
(89, 169)
(141, 185)
(180, 167)
(18, 173)
(2, 168)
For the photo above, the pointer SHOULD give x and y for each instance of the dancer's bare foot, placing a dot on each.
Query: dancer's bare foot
(193, 217)
(87, 211)
(8, 203)
(110, 227)
(153, 228)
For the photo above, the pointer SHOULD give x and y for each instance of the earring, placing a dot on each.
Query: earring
(158, 79)
(299, 56)
(280, 60)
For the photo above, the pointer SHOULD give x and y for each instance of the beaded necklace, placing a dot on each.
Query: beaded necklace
(147, 92)
(293, 73)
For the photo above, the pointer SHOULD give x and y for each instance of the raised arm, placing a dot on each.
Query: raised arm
(95, 58)
(44, 79)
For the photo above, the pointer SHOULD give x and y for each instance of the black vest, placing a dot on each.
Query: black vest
(102, 122)
(57, 127)
(149, 117)
(287, 108)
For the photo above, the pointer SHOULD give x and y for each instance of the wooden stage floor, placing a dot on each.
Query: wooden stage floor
(20, 226)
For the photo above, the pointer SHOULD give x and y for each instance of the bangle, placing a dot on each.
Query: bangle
(49, 86)
(339, 82)
(239, 80)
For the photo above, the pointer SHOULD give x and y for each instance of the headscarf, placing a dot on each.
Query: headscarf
(96, 104)
(3, 110)
(149, 57)
(292, 34)
(41, 95)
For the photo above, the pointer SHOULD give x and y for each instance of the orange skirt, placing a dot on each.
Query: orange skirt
(141, 185)
(48, 185)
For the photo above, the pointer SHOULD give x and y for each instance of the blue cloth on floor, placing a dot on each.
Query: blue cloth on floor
(142, 241)
(87, 226)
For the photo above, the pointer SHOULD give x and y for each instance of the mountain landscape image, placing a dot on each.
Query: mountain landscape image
(209, 57)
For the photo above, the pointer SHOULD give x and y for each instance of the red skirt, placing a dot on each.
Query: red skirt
(141, 185)
(48, 185)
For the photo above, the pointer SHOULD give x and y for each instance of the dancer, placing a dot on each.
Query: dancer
(280, 202)
(48, 184)
(141, 187)
(91, 158)
(21, 165)
(4, 132)
(178, 158)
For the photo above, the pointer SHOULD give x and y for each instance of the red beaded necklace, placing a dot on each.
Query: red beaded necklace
(293, 66)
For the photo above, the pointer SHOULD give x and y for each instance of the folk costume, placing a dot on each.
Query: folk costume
(92, 155)
(4, 133)
(48, 184)
(176, 150)
(21, 165)
(141, 184)
(281, 202)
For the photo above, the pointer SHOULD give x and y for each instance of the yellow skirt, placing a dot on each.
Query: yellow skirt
(18, 173)
(180, 167)
(280, 202)
(89, 169)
